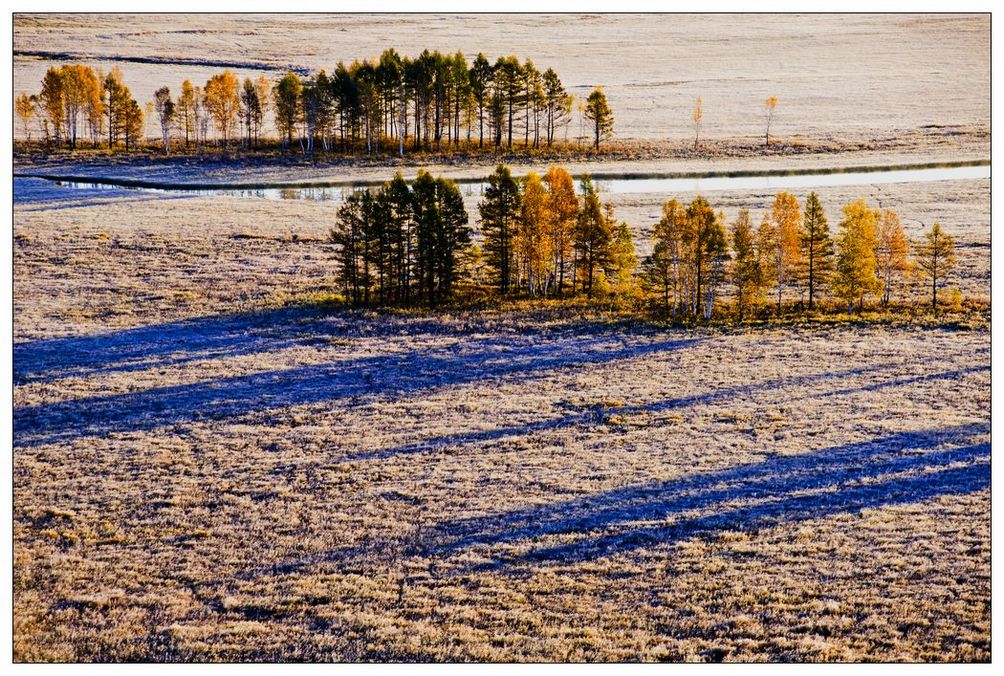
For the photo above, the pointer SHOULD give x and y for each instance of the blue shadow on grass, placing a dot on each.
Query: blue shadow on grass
(898, 468)
(358, 380)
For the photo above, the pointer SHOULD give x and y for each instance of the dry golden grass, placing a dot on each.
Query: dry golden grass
(196, 483)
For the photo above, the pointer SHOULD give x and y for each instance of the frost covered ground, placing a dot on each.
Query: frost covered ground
(862, 77)
(198, 475)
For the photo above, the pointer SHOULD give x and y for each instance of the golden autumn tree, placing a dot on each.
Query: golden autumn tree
(223, 102)
(786, 218)
(117, 101)
(51, 100)
(533, 244)
(81, 91)
(856, 268)
(24, 107)
(562, 213)
(892, 252)
(623, 259)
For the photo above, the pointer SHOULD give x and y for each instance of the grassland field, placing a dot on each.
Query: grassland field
(208, 465)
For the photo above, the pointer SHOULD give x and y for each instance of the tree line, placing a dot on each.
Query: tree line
(790, 253)
(396, 103)
(540, 237)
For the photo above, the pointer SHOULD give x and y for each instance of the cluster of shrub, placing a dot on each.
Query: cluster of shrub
(539, 237)
(432, 101)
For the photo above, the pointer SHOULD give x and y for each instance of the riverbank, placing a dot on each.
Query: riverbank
(640, 158)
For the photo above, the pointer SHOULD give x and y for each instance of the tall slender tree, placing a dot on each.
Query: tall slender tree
(499, 212)
(185, 111)
(286, 97)
(816, 245)
(936, 259)
(786, 216)
(592, 235)
(480, 76)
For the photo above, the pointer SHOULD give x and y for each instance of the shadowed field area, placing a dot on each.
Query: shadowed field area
(414, 489)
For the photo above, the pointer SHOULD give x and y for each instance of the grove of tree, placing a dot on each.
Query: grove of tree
(540, 237)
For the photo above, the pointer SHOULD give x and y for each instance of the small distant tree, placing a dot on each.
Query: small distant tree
(598, 112)
(936, 259)
(697, 116)
(25, 109)
(165, 113)
(768, 106)
(892, 253)
(856, 265)
(817, 247)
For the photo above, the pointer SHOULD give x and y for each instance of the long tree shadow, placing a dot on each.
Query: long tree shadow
(372, 378)
(162, 345)
(598, 414)
(899, 468)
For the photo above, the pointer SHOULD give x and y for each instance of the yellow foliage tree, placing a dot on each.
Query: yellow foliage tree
(223, 102)
(25, 109)
(892, 253)
(533, 245)
(563, 213)
(786, 217)
(856, 263)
